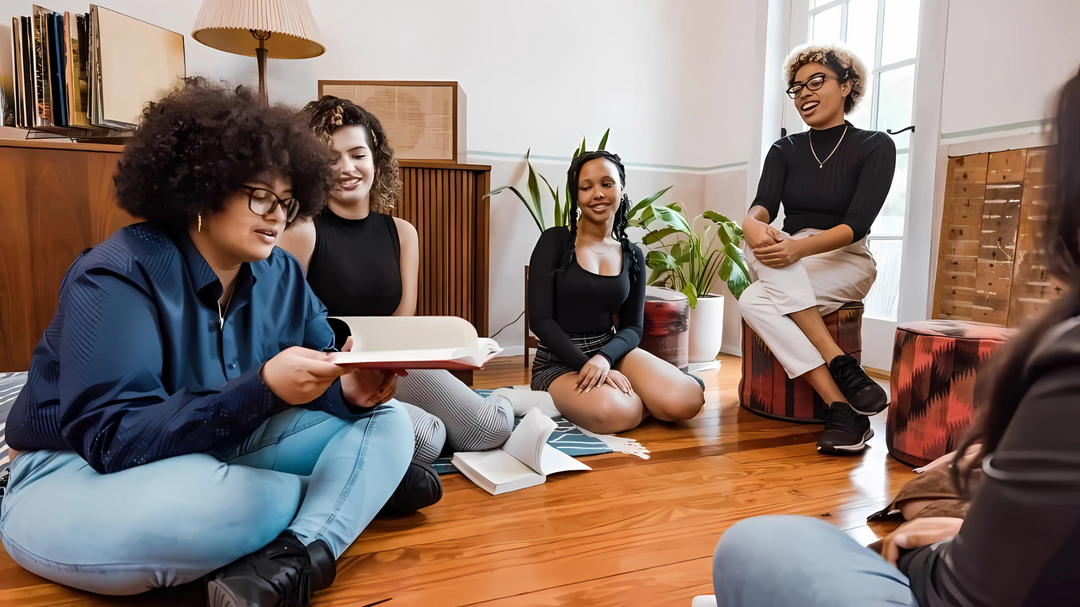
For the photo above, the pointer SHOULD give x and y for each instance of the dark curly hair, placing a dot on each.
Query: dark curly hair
(330, 114)
(199, 143)
(618, 230)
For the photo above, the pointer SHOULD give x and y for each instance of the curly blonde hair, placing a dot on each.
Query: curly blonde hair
(838, 58)
(329, 114)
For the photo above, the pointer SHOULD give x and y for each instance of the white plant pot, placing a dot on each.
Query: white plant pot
(706, 329)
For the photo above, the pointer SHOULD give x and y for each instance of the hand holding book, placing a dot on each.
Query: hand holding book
(415, 342)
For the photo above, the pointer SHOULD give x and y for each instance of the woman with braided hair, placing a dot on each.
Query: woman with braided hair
(361, 261)
(579, 280)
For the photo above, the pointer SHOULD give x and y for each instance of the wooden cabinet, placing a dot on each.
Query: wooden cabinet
(57, 199)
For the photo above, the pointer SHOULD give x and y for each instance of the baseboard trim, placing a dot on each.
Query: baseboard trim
(878, 373)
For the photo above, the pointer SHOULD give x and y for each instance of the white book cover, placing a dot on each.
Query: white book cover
(525, 460)
(415, 342)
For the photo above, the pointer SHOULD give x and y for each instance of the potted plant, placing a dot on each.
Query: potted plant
(690, 261)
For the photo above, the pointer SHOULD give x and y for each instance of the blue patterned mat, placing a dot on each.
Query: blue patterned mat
(566, 438)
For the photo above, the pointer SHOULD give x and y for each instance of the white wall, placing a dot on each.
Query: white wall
(1004, 60)
(667, 76)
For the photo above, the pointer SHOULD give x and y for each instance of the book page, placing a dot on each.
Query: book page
(528, 440)
(422, 341)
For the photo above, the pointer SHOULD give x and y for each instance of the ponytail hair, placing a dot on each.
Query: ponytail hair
(618, 230)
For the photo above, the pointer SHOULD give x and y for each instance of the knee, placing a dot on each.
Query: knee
(749, 552)
(500, 419)
(753, 302)
(429, 436)
(678, 403)
(613, 412)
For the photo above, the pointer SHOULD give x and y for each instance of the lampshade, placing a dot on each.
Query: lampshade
(226, 25)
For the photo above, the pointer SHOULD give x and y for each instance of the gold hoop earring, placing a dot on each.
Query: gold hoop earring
(200, 222)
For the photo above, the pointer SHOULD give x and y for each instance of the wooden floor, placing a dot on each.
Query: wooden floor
(631, 532)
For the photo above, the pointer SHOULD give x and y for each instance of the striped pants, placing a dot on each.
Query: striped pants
(446, 411)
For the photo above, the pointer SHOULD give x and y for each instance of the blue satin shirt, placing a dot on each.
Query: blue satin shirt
(136, 367)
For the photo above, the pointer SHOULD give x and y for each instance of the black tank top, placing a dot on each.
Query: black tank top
(355, 268)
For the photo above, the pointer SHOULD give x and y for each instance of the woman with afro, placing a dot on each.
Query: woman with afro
(181, 418)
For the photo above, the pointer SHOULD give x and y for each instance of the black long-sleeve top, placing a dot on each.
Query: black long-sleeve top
(564, 300)
(849, 188)
(1020, 542)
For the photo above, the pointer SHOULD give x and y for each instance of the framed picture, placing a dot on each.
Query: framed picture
(423, 120)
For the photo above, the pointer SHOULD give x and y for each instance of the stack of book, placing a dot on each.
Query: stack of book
(90, 73)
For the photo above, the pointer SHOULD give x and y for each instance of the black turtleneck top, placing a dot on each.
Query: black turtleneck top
(849, 188)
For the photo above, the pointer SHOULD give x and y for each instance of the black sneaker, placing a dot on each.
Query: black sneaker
(284, 573)
(419, 488)
(845, 431)
(864, 394)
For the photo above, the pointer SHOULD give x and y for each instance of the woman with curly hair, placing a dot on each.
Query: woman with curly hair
(831, 181)
(181, 417)
(361, 261)
(579, 280)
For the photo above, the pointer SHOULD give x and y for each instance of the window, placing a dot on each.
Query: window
(885, 35)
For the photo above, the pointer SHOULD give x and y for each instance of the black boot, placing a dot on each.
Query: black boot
(284, 573)
(419, 488)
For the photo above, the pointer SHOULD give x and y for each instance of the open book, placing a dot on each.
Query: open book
(415, 342)
(524, 461)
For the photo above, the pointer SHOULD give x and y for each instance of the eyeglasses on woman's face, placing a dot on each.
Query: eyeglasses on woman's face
(263, 202)
(814, 83)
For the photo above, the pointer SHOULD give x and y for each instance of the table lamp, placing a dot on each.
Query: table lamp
(284, 29)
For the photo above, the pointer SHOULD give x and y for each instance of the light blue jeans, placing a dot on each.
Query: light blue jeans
(798, 561)
(174, 520)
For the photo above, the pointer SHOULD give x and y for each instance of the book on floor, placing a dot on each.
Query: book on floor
(525, 460)
(415, 342)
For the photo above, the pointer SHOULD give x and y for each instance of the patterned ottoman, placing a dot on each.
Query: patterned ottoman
(765, 387)
(934, 367)
(667, 324)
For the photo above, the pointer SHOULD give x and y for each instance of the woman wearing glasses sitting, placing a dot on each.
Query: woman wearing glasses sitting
(181, 417)
(831, 182)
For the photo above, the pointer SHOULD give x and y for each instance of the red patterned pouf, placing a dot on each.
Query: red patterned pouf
(934, 367)
(765, 387)
(667, 324)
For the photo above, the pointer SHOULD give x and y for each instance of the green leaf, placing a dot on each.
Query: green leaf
(716, 217)
(496, 191)
(534, 190)
(655, 275)
(560, 218)
(677, 207)
(658, 235)
(536, 215)
(734, 267)
(603, 140)
(659, 260)
(691, 294)
(672, 218)
(648, 201)
(642, 222)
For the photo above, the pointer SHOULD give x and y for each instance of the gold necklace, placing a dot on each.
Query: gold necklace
(821, 163)
(608, 248)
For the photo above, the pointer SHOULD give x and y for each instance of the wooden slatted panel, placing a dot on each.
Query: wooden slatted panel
(447, 207)
(960, 234)
(1034, 288)
(997, 244)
